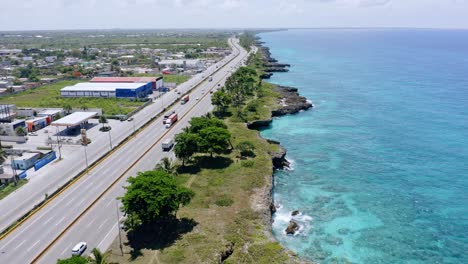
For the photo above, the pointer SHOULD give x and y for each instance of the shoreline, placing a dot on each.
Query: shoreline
(290, 102)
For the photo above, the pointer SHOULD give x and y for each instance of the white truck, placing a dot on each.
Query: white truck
(167, 144)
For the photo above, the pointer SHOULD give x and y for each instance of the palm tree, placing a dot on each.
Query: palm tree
(103, 121)
(20, 131)
(166, 165)
(98, 257)
(67, 108)
(2, 156)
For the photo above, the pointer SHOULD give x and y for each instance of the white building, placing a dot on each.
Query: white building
(187, 64)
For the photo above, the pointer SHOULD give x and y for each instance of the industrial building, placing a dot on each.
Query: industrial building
(156, 81)
(182, 63)
(108, 90)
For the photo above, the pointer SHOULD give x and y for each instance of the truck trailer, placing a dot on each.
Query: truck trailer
(185, 99)
(171, 120)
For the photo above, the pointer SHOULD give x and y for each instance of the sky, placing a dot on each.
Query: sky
(109, 14)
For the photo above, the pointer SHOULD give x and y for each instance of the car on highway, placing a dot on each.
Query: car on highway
(130, 119)
(197, 98)
(79, 248)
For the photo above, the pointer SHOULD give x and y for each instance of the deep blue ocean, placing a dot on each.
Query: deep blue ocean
(380, 165)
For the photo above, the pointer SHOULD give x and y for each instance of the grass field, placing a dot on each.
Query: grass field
(49, 96)
(221, 216)
(9, 188)
(178, 79)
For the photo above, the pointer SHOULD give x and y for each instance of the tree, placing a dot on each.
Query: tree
(20, 131)
(84, 107)
(221, 100)
(103, 121)
(152, 196)
(246, 148)
(186, 146)
(214, 140)
(98, 257)
(73, 260)
(166, 165)
(2, 156)
(67, 108)
(199, 123)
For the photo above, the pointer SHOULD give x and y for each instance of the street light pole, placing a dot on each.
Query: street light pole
(118, 226)
(86, 156)
(110, 139)
(58, 144)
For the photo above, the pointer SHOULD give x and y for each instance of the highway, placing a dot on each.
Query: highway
(56, 174)
(87, 210)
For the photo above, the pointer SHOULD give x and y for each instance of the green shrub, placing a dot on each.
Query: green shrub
(247, 163)
(224, 200)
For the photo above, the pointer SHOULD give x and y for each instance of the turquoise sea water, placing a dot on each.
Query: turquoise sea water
(380, 165)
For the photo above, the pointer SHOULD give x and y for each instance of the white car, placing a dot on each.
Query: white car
(197, 98)
(79, 249)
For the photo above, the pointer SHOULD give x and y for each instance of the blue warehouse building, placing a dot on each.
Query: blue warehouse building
(108, 90)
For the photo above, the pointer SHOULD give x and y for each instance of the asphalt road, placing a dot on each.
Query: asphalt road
(56, 174)
(87, 211)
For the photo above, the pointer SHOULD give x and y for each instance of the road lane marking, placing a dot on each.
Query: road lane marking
(63, 218)
(48, 220)
(66, 249)
(108, 233)
(33, 245)
(19, 245)
(127, 170)
(90, 223)
(109, 203)
(102, 224)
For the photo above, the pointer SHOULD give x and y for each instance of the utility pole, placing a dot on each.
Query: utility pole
(14, 169)
(118, 226)
(58, 144)
(110, 139)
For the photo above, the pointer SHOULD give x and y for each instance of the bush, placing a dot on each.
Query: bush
(247, 163)
(224, 200)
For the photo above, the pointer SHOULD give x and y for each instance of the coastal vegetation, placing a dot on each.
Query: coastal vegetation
(229, 168)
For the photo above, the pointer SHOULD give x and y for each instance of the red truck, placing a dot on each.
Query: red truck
(185, 99)
(171, 120)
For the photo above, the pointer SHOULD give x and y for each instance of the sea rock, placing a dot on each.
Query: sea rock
(295, 212)
(272, 208)
(259, 124)
(279, 159)
(292, 228)
(292, 102)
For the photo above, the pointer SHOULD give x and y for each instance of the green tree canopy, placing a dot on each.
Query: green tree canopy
(186, 146)
(214, 140)
(154, 195)
(221, 100)
(246, 148)
(199, 123)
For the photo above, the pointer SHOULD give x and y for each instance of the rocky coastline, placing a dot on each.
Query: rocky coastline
(290, 102)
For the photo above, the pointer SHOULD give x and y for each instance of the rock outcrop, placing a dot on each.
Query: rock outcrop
(295, 212)
(291, 101)
(292, 228)
(259, 124)
(279, 159)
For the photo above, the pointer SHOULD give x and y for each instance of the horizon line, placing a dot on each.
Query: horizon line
(229, 28)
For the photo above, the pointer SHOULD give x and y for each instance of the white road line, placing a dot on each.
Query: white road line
(63, 218)
(34, 245)
(102, 224)
(69, 202)
(109, 203)
(48, 220)
(66, 249)
(90, 222)
(108, 233)
(19, 245)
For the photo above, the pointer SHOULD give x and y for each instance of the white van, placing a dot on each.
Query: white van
(79, 249)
